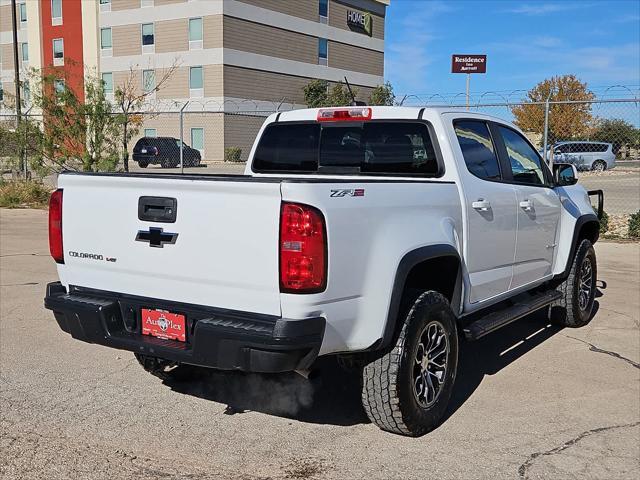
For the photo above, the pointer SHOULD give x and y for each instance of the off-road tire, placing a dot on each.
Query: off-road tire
(388, 395)
(566, 312)
(168, 370)
(596, 166)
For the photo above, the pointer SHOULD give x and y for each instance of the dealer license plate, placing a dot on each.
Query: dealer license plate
(164, 324)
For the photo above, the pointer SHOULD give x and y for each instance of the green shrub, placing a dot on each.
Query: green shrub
(15, 194)
(634, 225)
(604, 222)
(232, 154)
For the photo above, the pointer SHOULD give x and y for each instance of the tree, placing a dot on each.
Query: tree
(616, 131)
(130, 99)
(315, 93)
(77, 133)
(339, 95)
(566, 120)
(318, 93)
(382, 95)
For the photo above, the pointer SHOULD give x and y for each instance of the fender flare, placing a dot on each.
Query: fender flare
(580, 222)
(410, 260)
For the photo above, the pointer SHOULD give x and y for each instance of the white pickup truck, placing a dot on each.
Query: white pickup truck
(380, 234)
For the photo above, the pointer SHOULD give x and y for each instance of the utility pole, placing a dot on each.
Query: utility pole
(16, 64)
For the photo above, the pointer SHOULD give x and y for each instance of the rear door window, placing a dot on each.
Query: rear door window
(370, 147)
(478, 149)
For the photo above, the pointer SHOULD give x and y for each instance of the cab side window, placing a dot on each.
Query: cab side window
(478, 149)
(524, 160)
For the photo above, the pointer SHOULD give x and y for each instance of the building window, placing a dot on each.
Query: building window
(195, 33)
(323, 51)
(22, 10)
(196, 83)
(323, 10)
(148, 81)
(105, 5)
(25, 51)
(107, 83)
(106, 46)
(58, 85)
(58, 52)
(150, 132)
(148, 38)
(197, 139)
(56, 12)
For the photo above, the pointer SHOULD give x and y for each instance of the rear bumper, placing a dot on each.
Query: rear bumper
(216, 338)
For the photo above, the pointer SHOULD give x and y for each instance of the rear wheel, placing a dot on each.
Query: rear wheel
(168, 163)
(143, 164)
(407, 390)
(578, 290)
(599, 166)
(168, 370)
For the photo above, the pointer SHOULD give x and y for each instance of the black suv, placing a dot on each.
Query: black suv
(164, 151)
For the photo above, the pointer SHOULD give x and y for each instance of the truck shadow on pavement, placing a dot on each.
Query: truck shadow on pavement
(332, 394)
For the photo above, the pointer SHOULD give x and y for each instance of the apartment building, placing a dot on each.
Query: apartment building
(232, 54)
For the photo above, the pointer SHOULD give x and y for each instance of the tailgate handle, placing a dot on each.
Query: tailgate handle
(157, 209)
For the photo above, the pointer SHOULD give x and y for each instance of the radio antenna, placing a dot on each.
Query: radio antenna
(354, 102)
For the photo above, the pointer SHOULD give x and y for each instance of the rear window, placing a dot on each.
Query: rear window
(375, 147)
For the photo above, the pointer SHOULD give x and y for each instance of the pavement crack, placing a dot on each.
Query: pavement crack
(523, 469)
(20, 284)
(24, 255)
(593, 348)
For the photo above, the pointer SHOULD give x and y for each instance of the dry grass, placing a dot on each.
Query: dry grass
(23, 194)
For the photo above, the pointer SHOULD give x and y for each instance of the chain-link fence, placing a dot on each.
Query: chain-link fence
(601, 137)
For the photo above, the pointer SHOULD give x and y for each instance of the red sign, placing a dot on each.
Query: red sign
(162, 324)
(468, 63)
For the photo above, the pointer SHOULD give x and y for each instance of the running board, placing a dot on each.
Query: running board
(522, 305)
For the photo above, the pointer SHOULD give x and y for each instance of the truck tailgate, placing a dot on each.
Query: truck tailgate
(225, 253)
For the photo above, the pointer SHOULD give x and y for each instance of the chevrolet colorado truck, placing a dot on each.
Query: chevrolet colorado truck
(389, 236)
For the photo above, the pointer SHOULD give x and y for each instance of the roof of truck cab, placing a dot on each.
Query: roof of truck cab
(381, 113)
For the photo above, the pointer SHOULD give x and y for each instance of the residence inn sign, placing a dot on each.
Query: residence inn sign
(468, 64)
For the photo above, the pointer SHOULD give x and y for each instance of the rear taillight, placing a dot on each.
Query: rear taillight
(55, 226)
(303, 249)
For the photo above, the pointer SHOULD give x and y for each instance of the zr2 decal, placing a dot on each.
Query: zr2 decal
(347, 192)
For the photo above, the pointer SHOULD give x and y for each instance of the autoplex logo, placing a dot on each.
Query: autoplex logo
(163, 323)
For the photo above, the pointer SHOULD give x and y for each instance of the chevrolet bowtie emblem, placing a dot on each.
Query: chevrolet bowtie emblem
(156, 237)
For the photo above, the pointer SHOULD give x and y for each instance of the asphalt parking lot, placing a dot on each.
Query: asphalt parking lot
(531, 401)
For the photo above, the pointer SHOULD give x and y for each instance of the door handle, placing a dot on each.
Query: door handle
(526, 205)
(481, 204)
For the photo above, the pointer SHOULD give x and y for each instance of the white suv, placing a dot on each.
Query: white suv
(596, 156)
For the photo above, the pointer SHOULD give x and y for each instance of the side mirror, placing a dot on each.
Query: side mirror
(565, 174)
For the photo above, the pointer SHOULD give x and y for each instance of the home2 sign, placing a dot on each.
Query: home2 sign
(360, 21)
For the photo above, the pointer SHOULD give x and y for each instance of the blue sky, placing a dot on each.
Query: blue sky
(599, 41)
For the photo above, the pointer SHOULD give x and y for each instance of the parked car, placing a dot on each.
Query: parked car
(337, 240)
(596, 156)
(164, 151)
